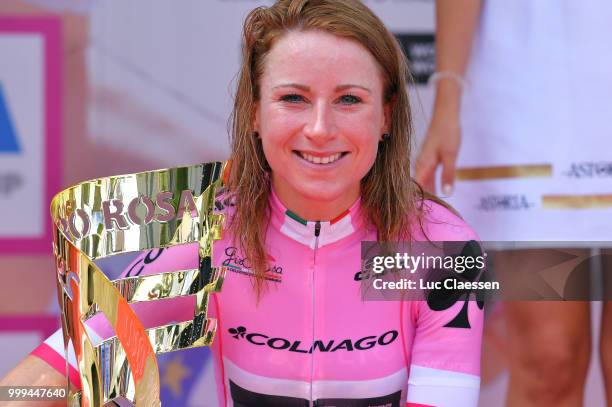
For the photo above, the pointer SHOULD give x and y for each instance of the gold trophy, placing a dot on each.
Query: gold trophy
(130, 213)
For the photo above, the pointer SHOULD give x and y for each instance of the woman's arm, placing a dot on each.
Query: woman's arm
(46, 365)
(33, 371)
(447, 343)
(455, 25)
(446, 352)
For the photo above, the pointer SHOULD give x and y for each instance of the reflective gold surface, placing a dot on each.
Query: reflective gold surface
(130, 213)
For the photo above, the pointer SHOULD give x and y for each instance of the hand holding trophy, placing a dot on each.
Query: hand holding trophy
(114, 215)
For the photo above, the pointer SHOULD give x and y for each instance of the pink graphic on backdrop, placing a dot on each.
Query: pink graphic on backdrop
(49, 29)
(44, 325)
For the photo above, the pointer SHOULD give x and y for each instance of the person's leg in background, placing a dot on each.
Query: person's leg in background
(605, 349)
(549, 344)
(549, 352)
(605, 340)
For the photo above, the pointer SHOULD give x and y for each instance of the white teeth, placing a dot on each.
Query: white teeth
(320, 160)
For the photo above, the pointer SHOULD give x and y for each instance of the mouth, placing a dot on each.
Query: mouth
(325, 159)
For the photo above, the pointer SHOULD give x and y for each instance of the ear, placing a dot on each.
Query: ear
(387, 112)
(388, 108)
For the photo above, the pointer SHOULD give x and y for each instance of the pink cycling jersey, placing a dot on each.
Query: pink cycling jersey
(311, 339)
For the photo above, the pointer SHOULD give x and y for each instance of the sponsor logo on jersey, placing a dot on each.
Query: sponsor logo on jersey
(241, 265)
(332, 345)
(442, 300)
(366, 272)
(361, 275)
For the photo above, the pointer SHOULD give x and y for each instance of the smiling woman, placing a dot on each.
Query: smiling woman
(320, 117)
(321, 81)
(320, 162)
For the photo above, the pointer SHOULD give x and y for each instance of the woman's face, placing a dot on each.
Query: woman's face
(320, 117)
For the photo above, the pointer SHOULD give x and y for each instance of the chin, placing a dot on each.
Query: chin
(322, 192)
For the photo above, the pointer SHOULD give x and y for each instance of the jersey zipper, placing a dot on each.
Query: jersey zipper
(317, 232)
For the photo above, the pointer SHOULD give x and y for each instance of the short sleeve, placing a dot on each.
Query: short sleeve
(445, 357)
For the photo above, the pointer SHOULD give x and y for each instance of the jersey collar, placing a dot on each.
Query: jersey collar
(305, 231)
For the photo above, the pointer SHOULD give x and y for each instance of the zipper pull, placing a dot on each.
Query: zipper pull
(317, 228)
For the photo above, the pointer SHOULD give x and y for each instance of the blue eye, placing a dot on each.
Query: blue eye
(349, 99)
(292, 98)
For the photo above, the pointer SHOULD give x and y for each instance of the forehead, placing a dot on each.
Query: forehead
(320, 57)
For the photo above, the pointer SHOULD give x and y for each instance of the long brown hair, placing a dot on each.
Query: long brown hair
(388, 194)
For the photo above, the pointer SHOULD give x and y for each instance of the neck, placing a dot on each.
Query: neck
(313, 208)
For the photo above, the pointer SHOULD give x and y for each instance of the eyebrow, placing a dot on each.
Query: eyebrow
(306, 88)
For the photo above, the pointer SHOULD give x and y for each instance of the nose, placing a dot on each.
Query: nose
(320, 127)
